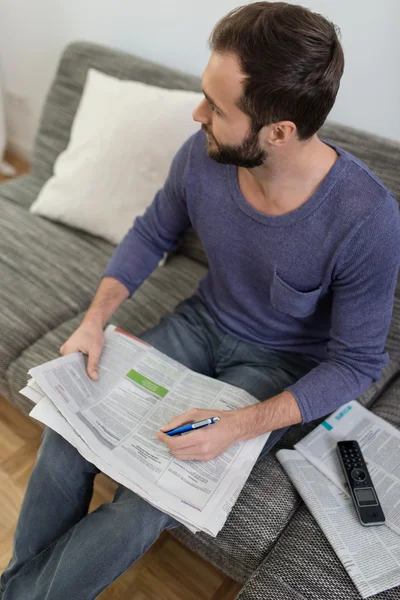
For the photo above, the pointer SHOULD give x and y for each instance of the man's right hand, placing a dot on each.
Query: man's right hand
(88, 338)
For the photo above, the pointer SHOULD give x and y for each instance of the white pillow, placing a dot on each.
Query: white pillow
(123, 139)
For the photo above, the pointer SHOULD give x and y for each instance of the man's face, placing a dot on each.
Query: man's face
(230, 137)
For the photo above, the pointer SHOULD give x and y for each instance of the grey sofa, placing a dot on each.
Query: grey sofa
(49, 274)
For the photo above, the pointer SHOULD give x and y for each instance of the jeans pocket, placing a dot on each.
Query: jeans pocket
(287, 299)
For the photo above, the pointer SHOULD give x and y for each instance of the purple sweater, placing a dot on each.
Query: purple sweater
(319, 280)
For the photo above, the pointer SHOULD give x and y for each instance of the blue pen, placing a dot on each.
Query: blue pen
(191, 426)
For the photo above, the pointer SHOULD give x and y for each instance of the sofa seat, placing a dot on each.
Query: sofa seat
(40, 289)
(257, 513)
(302, 548)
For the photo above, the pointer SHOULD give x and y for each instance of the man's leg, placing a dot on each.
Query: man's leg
(61, 484)
(93, 553)
(57, 496)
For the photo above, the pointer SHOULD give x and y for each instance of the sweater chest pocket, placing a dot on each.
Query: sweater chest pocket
(288, 300)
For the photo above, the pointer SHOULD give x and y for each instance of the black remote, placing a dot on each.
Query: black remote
(360, 484)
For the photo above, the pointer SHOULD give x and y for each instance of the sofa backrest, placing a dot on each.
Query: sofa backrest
(381, 155)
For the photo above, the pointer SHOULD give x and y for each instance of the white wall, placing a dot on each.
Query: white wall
(33, 34)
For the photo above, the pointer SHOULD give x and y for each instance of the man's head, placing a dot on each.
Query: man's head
(272, 79)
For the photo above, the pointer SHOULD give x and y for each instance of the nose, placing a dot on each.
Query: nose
(200, 113)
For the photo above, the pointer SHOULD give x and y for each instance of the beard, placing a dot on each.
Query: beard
(248, 154)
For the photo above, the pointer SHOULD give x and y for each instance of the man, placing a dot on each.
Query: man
(303, 246)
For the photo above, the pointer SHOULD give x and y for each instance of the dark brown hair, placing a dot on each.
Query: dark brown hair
(292, 60)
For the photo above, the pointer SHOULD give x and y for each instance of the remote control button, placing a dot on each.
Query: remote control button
(358, 475)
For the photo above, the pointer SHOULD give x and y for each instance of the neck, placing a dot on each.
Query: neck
(290, 176)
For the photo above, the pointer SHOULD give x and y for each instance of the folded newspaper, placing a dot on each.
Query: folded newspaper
(371, 555)
(112, 422)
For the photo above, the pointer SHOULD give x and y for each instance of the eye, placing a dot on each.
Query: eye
(214, 110)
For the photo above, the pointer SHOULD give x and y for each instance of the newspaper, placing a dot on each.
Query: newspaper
(113, 422)
(379, 442)
(370, 555)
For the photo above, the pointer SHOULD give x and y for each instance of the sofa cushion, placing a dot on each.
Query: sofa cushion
(65, 93)
(303, 566)
(109, 175)
(48, 274)
(263, 509)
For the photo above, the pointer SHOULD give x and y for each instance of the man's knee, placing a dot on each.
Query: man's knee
(132, 506)
(58, 456)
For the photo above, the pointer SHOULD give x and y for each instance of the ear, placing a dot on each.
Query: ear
(281, 133)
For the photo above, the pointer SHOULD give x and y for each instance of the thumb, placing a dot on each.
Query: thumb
(93, 363)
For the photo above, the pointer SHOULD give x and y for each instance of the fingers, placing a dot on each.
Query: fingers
(180, 442)
(187, 417)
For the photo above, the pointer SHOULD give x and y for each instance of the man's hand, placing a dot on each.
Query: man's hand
(206, 443)
(235, 426)
(88, 338)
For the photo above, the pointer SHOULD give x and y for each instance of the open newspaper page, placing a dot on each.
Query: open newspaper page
(370, 555)
(49, 415)
(139, 389)
(380, 445)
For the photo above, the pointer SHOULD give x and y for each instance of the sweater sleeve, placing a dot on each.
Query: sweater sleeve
(363, 289)
(157, 231)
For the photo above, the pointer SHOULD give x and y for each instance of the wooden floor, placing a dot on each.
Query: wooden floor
(168, 571)
(19, 164)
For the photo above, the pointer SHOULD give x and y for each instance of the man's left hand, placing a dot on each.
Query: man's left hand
(207, 442)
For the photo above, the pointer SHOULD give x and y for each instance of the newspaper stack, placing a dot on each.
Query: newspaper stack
(370, 555)
(112, 422)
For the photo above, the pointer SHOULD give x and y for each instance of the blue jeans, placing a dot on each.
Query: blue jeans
(60, 552)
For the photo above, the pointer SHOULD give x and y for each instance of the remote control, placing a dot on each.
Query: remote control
(360, 484)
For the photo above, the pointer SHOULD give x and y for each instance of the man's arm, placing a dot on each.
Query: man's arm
(158, 230)
(362, 303)
(134, 259)
(88, 338)
(109, 296)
